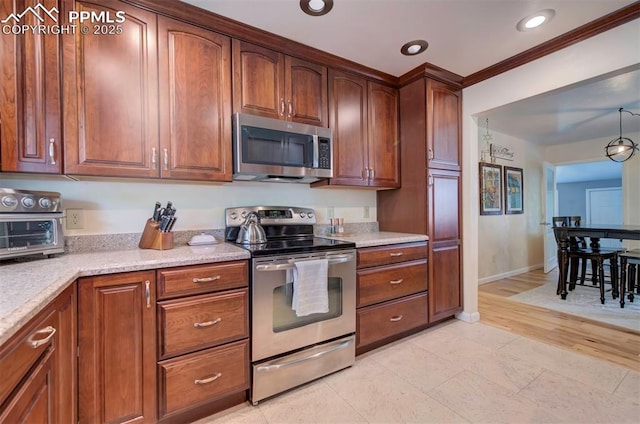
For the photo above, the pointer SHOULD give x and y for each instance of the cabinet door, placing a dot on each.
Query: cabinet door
(384, 146)
(117, 362)
(348, 119)
(444, 134)
(110, 87)
(444, 224)
(306, 92)
(31, 129)
(258, 79)
(195, 102)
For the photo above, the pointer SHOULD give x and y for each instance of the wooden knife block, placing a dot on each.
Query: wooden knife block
(152, 238)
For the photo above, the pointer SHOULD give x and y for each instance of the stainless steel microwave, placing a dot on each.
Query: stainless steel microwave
(266, 149)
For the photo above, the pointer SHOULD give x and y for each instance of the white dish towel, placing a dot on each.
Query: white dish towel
(310, 291)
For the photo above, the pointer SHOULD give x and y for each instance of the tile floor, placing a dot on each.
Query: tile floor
(458, 373)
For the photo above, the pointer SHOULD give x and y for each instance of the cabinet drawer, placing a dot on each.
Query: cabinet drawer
(385, 255)
(19, 354)
(198, 279)
(202, 321)
(390, 282)
(192, 379)
(378, 322)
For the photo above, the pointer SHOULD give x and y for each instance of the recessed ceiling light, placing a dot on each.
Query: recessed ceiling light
(316, 7)
(535, 20)
(414, 47)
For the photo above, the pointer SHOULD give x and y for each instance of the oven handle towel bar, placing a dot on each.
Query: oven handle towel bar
(277, 366)
(284, 265)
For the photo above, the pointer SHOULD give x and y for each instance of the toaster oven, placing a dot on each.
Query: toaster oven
(30, 223)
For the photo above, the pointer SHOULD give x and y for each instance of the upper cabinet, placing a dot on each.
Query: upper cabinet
(364, 118)
(110, 95)
(270, 84)
(137, 109)
(443, 128)
(30, 130)
(195, 102)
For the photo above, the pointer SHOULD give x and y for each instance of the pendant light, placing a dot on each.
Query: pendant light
(622, 148)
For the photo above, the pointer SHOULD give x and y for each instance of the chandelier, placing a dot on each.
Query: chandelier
(622, 148)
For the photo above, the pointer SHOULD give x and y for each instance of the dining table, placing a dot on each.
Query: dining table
(595, 233)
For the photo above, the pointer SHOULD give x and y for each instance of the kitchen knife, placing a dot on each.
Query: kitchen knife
(164, 223)
(172, 222)
(156, 212)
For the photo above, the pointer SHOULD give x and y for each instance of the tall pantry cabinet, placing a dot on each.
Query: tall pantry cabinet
(429, 201)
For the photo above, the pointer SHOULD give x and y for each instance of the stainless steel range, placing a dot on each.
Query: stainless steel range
(303, 299)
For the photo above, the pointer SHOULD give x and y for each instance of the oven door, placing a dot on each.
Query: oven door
(27, 234)
(276, 328)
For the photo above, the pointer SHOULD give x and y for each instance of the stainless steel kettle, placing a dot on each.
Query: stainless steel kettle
(251, 232)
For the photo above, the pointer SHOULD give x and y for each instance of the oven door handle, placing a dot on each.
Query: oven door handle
(273, 366)
(284, 265)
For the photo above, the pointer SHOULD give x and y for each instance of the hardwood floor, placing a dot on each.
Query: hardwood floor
(601, 340)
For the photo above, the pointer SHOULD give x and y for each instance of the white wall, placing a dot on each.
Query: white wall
(512, 244)
(122, 206)
(607, 52)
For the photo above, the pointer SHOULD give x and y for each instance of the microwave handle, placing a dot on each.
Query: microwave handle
(316, 152)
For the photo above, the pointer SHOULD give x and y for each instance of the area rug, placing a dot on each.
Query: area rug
(585, 302)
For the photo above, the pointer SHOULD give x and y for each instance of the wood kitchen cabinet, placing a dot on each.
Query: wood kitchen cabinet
(203, 339)
(392, 297)
(430, 200)
(117, 348)
(270, 84)
(155, 103)
(195, 102)
(30, 108)
(38, 366)
(364, 118)
(110, 94)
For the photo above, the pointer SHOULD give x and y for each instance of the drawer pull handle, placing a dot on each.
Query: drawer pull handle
(394, 282)
(396, 318)
(37, 343)
(208, 380)
(207, 324)
(147, 293)
(206, 279)
(396, 254)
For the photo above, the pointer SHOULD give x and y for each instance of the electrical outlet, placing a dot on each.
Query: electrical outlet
(366, 212)
(75, 219)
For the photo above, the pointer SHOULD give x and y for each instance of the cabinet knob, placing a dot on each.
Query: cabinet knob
(290, 104)
(281, 107)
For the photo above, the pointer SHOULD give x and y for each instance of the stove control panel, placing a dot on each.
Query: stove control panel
(271, 215)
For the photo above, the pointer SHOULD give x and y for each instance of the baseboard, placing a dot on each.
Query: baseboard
(508, 274)
(468, 317)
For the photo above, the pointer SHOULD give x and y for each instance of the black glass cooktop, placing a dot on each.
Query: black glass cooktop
(296, 245)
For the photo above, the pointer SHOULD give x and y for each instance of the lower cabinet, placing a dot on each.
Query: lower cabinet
(38, 366)
(176, 359)
(117, 348)
(392, 297)
(203, 339)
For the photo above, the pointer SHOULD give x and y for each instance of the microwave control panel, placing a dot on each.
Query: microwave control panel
(324, 153)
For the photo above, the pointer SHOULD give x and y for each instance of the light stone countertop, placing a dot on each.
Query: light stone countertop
(27, 287)
(379, 238)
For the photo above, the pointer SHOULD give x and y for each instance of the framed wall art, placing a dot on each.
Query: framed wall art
(513, 190)
(490, 189)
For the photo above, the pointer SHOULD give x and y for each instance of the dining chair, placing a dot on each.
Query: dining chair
(579, 250)
(629, 267)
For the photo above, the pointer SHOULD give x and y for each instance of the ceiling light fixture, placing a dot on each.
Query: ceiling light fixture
(622, 148)
(316, 7)
(536, 20)
(414, 47)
